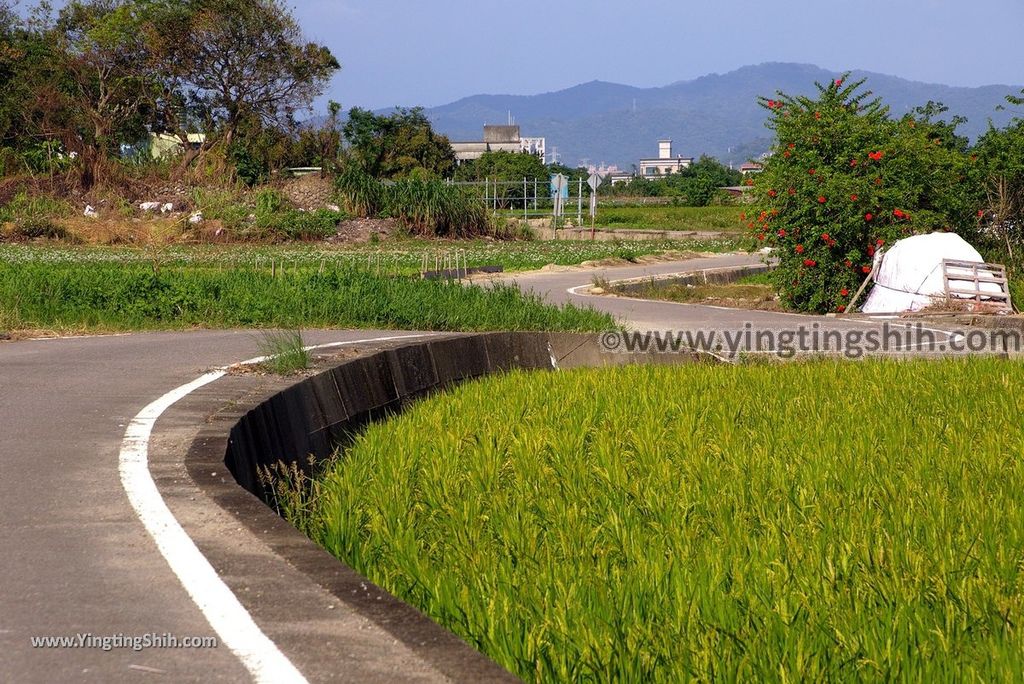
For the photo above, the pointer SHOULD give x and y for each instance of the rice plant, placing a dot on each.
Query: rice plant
(803, 522)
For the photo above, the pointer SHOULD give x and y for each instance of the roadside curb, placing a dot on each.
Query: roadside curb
(279, 419)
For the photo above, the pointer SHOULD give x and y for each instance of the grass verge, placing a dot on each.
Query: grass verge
(723, 218)
(132, 296)
(753, 292)
(800, 522)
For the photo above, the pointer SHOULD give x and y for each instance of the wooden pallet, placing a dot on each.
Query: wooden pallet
(963, 280)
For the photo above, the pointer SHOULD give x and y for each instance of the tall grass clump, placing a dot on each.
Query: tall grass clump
(285, 351)
(360, 193)
(435, 208)
(129, 296)
(805, 522)
(425, 207)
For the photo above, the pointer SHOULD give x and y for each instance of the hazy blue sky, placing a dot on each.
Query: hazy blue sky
(432, 52)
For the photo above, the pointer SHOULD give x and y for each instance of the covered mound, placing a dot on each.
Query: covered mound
(910, 275)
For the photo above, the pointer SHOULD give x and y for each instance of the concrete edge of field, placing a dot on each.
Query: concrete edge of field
(333, 623)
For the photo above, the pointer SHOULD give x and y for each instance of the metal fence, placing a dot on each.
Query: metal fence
(530, 198)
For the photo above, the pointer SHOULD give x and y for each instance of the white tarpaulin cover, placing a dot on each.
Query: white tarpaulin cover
(910, 276)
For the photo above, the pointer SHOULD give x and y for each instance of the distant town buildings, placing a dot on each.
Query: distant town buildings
(500, 139)
(750, 168)
(665, 164)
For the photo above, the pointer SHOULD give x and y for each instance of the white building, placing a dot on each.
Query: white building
(500, 139)
(665, 164)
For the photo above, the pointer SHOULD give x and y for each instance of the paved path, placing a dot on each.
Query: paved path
(75, 557)
(728, 325)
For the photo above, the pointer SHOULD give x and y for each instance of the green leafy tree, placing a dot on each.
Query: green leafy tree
(102, 54)
(399, 145)
(845, 179)
(238, 60)
(1000, 158)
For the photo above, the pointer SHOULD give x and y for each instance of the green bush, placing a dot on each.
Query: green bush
(304, 225)
(437, 209)
(359, 193)
(845, 179)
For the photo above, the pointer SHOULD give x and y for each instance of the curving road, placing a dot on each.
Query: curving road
(76, 558)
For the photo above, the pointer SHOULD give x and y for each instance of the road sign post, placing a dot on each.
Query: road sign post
(594, 182)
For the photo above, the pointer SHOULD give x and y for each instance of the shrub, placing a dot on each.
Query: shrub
(845, 179)
(435, 208)
(301, 225)
(359, 193)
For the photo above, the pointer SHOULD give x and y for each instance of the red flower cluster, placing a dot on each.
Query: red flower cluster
(871, 250)
(839, 82)
(853, 162)
(900, 214)
(876, 156)
(810, 263)
(782, 232)
(811, 171)
(774, 104)
(844, 292)
(848, 263)
(799, 249)
(853, 198)
(772, 193)
(822, 200)
(868, 216)
(981, 213)
(865, 269)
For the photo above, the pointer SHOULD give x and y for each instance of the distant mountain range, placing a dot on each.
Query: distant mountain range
(716, 114)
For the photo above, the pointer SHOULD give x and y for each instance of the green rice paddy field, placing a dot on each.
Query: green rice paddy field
(811, 521)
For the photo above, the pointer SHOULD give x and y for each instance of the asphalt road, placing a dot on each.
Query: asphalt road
(732, 332)
(75, 557)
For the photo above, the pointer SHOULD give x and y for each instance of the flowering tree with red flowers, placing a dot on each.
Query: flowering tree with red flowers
(844, 180)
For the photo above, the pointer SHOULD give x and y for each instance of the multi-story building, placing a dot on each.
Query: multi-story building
(499, 139)
(665, 164)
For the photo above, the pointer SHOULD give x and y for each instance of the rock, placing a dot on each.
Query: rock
(597, 290)
(149, 206)
(90, 212)
(196, 218)
(166, 208)
(333, 207)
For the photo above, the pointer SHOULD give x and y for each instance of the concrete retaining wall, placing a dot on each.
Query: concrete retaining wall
(714, 275)
(315, 416)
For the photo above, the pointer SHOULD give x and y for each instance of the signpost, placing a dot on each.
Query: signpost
(594, 182)
(559, 193)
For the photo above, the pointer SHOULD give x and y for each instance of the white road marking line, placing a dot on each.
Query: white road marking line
(225, 613)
